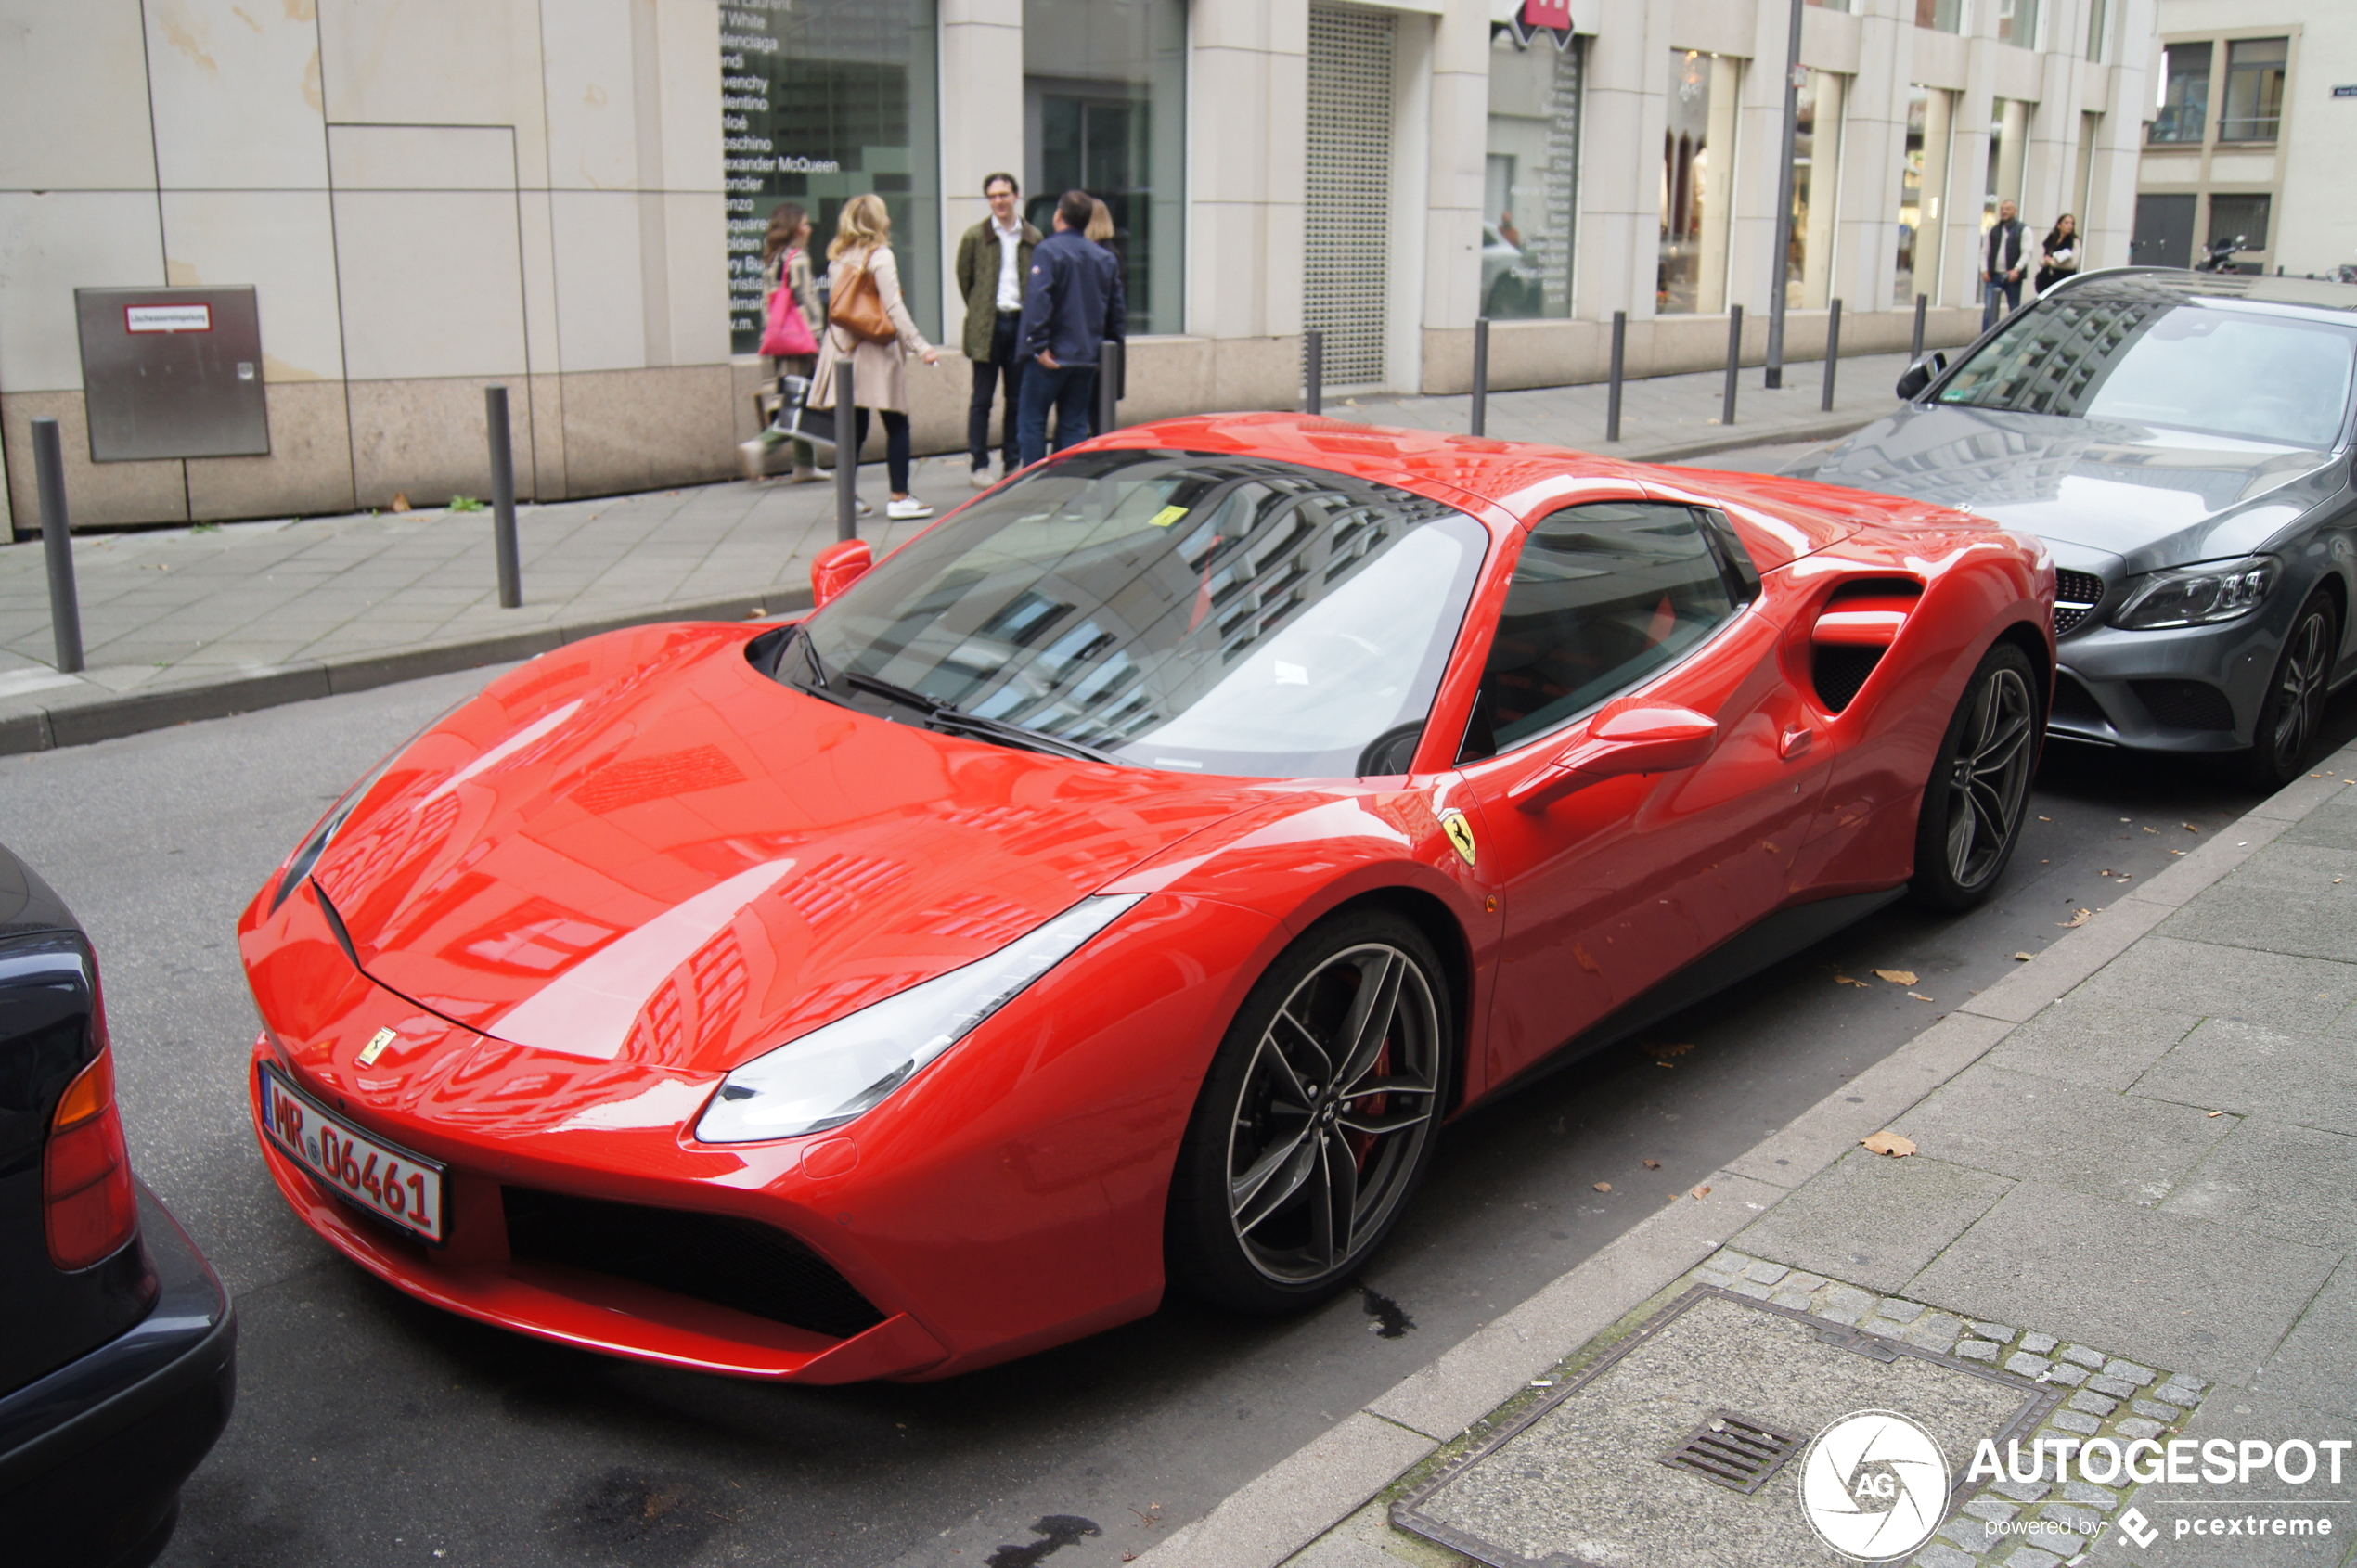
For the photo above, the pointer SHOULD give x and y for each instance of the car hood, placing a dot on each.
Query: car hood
(2153, 496)
(642, 849)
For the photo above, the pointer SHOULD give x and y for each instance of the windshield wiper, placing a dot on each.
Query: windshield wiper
(821, 686)
(942, 715)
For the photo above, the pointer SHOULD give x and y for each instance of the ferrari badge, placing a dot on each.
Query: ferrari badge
(375, 1047)
(1460, 832)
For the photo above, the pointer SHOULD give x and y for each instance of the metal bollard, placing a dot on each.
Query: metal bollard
(1313, 371)
(846, 454)
(1109, 359)
(1734, 357)
(1917, 351)
(56, 545)
(1480, 422)
(503, 497)
(1620, 363)
(1833, 353)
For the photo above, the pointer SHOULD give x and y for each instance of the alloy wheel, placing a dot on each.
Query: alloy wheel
(1989, 782)
(1336, 1106)
(2300, 690)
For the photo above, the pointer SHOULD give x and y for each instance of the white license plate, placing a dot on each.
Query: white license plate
(370, 1172)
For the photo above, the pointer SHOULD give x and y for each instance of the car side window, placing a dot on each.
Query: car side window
(1602, 597)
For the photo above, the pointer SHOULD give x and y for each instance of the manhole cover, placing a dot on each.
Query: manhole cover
(1596, 1476)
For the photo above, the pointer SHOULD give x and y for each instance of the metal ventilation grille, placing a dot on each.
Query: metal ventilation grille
(1840, 670)
(2075, 596)
(1734, 1451)
(2179, 704)
(1347, 239)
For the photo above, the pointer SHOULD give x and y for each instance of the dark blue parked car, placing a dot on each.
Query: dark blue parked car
(118, 1349)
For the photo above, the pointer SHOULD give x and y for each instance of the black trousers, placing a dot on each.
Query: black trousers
(1004, 364)
(895, 446)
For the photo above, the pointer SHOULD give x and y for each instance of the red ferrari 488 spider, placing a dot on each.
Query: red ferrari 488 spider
(1113, 889)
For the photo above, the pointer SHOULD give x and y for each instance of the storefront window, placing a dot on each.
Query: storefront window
(1697, 152)
(2239, 218)
(2184, 94)
(1105, 111)
(1910, 199)
(1531, 192)
(820, 101)
(1816, 186)
(2254, 89)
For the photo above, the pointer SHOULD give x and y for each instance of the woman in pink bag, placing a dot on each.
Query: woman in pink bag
(791, 339)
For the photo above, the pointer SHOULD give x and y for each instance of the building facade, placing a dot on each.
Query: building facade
(2252, 99)
(432, 196)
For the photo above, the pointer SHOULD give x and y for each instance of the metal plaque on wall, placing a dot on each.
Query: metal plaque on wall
(172, 373)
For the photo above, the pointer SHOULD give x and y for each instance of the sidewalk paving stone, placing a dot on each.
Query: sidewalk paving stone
(2188, 1292)
(2280, 1179)
(1873, 1220)
(2093, 1140)
(2246, 1067)
(2103, 1045)
(2280, 990)
(2317, 1361)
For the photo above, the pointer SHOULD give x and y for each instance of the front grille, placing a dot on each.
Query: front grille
(719, 1258)
(2075, 596)
(1839, 669)
(2185, 704)
(2073, 701)
(1735, 1451)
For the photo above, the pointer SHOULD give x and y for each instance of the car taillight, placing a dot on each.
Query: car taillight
(92, 1208)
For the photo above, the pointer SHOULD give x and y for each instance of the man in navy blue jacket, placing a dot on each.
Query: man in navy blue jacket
(1072, 304)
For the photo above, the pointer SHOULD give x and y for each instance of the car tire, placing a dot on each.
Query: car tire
(1287, 1180)
(1978, 793)
(2292, 710)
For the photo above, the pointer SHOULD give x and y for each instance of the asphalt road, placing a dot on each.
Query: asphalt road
(371, 1430)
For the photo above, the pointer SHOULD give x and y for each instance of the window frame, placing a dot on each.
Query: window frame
(1737, 572)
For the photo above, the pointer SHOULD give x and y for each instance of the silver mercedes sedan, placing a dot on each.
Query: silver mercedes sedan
(2182, 443)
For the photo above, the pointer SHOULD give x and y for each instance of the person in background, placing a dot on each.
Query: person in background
(880, 380)
(785, 263)
(993, 259)
(2058, 253)
(2001, 266)
(1071, 305)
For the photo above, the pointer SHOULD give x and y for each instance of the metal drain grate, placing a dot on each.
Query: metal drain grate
(1735, 1451)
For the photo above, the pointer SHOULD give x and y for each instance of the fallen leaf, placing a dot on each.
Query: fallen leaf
(2152, 830)
(2217, 1113)
(2080, 919)
(1603, 1186)
(2190, 827)
(2045, 819)
(400, 502)
(2176, 852)
(1898, 977)
(1889, 1143)
(1845, 979)
(1919, 995)
(2024, 958)
(1671, 1051)
(1702, 1192)
(1653, 1164)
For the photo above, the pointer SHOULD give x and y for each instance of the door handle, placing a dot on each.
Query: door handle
(1794, 742)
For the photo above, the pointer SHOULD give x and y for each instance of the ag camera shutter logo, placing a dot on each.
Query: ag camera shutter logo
(1874, 1486)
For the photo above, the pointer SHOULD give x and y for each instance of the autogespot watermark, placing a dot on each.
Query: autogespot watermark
(1874, 1485)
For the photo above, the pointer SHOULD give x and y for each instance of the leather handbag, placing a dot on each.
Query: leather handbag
(857, 307)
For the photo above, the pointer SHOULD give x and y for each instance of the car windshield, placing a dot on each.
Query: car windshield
(1175, 610)
(2160, 359)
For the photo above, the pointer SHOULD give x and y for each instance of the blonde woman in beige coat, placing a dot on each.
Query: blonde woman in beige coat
(879, 375)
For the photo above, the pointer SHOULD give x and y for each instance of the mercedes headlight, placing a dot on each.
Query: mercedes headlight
(845, 1068)
(2198, 596)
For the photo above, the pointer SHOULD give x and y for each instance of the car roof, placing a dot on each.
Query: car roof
(2329, 302)
(28, 904)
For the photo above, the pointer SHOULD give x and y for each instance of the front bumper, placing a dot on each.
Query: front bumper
(2190, 690)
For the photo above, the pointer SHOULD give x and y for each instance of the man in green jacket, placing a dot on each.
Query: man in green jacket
(992, 259)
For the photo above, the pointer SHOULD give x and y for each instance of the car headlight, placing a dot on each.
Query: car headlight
(845, 1068)
(2198, 596)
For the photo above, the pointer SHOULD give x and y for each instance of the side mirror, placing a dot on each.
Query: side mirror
(837, 567)
(1916, 377)
(1653, 737)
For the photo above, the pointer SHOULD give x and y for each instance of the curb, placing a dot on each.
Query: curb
(1308, 1493)
(109, 716)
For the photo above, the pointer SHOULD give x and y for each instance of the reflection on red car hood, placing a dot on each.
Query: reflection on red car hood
(641, 849)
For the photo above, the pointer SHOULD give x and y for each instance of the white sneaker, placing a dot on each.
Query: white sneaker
(982, 479)
(906, 509)
(865, 508)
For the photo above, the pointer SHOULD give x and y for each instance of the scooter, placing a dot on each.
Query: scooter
(2221, 257)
